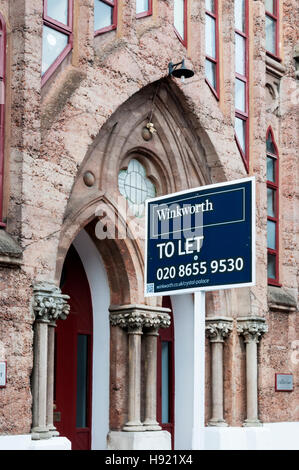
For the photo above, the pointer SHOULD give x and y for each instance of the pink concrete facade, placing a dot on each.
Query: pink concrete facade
(89, 116)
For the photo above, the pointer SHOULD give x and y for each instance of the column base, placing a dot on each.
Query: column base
(151, 425)
(217, 422)
(133, 427)
(252, 423)
(150, 440)
(54, 432)
(39, 433)
(148, 427)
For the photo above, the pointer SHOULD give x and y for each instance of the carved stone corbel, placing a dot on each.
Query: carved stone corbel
(49, 303)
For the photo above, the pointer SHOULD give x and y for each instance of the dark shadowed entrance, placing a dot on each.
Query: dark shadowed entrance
(73, 357)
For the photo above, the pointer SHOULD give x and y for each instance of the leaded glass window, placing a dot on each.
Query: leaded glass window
(136, 187)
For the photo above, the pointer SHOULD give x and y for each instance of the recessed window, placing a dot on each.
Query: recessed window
(143, 8)
(240, 15)
(54, 43)
(240, 54)
(58, 10)
(272, 208)
(241, 79)
(2, 109)
(57, 34)
(166, 375)
(211, 45)
(165, 350)
(105, 15)
(180, 19)
(272, 11)
(136, 187)
(240, 130)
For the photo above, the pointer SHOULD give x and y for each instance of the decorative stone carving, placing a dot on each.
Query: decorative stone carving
(217, 329)
(252, 328)
(49, 303)
(146, 134)
(134, 316)
(89, 178)
(272, 96)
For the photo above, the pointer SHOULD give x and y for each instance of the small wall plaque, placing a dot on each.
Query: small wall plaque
(284, 383)
(2, 374)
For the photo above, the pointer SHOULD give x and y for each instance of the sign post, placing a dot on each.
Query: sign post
(199, 240)
(199, 370)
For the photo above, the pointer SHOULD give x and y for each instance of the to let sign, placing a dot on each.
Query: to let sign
(201, 239)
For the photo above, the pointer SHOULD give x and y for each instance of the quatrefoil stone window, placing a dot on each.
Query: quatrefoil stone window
(136, 187)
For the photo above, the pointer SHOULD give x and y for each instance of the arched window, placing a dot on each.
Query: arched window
(272, 208)
(241, 79)
(57, 34)
(180, 20)
(136, 187)
(2, 109)
(143, 8)
(105, 16)
(212, 52)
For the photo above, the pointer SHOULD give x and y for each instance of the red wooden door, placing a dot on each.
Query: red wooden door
(165, 375)
(73, 357)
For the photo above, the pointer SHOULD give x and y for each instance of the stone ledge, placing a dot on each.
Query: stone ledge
(274, 67)
(10, 251)
(25, 442)
(147, 440)
(282, 299)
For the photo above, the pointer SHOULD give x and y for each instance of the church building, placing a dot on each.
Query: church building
(104, 105)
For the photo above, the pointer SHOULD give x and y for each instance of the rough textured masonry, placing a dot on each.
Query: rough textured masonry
(90, 117)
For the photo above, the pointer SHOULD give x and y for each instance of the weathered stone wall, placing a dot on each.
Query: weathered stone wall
(52, 132)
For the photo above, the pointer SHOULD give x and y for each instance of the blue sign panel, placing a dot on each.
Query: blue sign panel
(201, 239)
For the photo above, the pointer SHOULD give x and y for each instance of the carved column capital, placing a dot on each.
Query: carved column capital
(251, 328)
(49, 304)
(139, 316)
(218, 329)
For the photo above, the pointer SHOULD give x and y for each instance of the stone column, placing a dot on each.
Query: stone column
(153, 322)
(131, 318)
(217, 329)
(39, 380)
(135, 318)
(251, 328)
(48, 305)
(50, 384)
(134, 423)
(150, 423)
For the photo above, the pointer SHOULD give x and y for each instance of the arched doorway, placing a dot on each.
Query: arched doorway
(170, 164)
(73, 357)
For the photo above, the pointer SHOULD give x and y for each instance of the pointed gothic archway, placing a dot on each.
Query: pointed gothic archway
(173, 159)
(73, 357)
